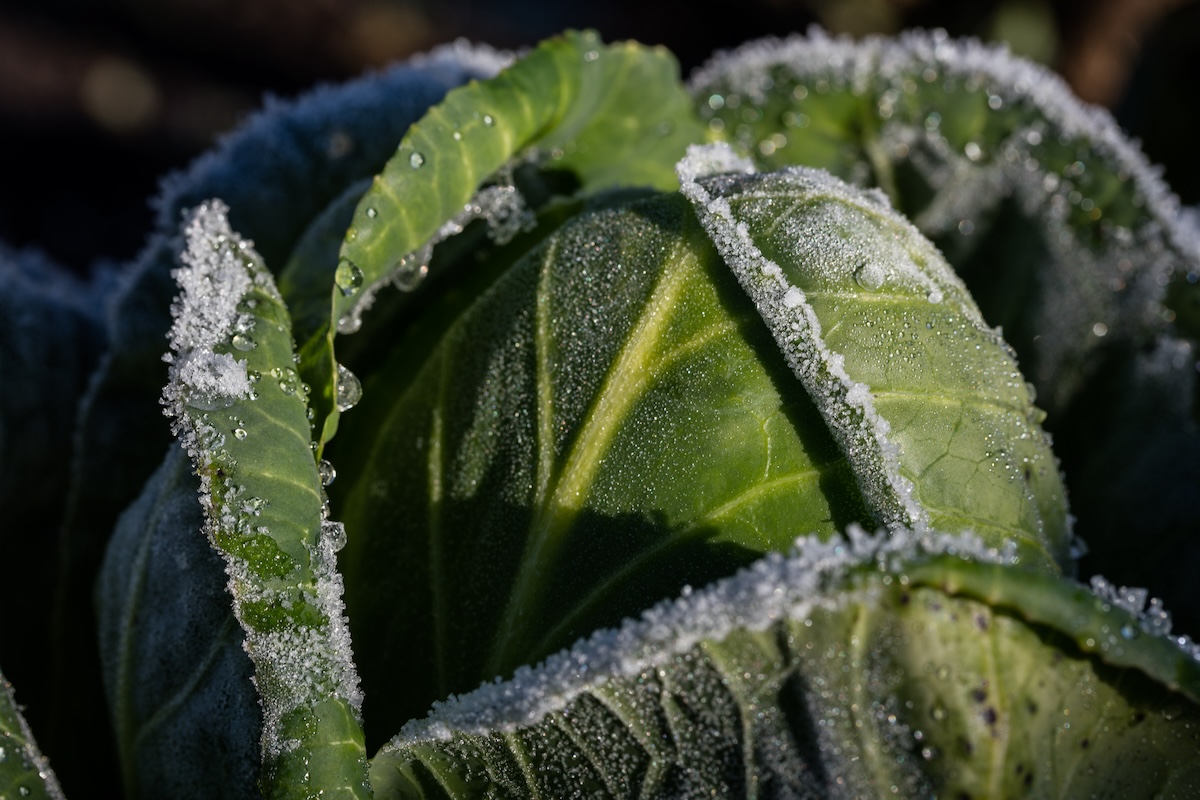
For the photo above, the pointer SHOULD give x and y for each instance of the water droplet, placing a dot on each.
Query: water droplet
(326, 472)
(239, 434)
(1100, 329)
(966, 227)
(416, 160)
(489, 120)
(457, 136)
(934, 296)
(241, 341)
(348, 277)
(591, 55)
(1128, 632)
(938, 713)
(25, 791)
(287, 380)
(349, 390)
(371, 213)
(869, 276)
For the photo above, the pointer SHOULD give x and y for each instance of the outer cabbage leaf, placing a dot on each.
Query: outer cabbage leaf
(875, 667)
(178, 682)
(51, 338)
(610, 420)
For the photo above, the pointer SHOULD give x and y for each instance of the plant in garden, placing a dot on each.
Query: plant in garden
(661, 437)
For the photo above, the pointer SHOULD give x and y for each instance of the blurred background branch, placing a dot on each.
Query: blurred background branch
(100, 98)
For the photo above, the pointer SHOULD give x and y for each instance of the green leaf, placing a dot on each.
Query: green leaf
(24, 771)
(239, 409)
(874, 667)
(925, 400)
(610, 420)
(607, 116)
(1064, 233)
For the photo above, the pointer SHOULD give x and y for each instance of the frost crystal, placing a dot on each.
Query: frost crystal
(213, 279)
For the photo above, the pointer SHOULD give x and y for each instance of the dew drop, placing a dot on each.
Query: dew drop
(326, 472)
(869, 276)
(241, 341)
(287, 380)
(1099, 329)
(371, 213)
(457, 136)
(348, 277)
(591, 55)
(489, 120)
(416, 160)
(935, 296)
(239, 434)
(24, 791)
(349, 390)
(1128, 632)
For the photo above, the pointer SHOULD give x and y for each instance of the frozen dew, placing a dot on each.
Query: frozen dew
(416, 160)
(349, 390)
(242, 342)
(870, 276)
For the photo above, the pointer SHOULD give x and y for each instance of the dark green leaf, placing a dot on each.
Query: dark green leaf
(183, 707)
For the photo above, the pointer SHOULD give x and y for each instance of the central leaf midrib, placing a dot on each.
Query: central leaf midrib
(566, 491)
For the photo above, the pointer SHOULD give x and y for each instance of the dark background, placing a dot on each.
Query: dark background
(100, 98)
